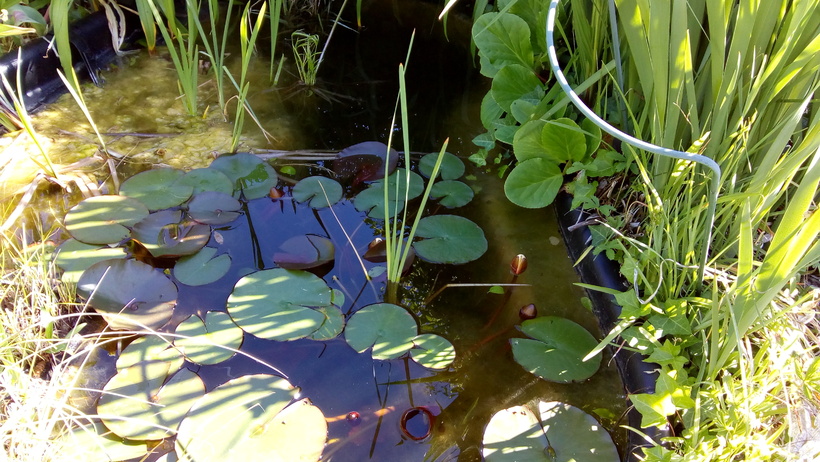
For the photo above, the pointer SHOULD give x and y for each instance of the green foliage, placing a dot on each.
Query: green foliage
(557, 350)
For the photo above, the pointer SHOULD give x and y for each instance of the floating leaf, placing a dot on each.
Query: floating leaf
(249, 416)
(449, 239)
(148, 400)
(202, 267)
(333, 325)
(279, 304)
(74, 257)
(157, 189)
(95, 442)
(365, 162)
(534, 183)
(150, 347)
(166, 234)
(451, 167)
(204, 341)
(388, 328)
(320, 191)
(214, 208)
(129, 294)
(305, 251)
(104, 219)
(371, 200)
(433, 351)
(564, 140)
(556, 350)
(514, 435)
(249, 175)
(452, 194)
(207, 179)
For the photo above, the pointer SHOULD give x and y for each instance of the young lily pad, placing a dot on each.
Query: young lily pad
(202, 267)
(279, 304)
(433, 351)
(449, 239)
(305, 251)
(371, 200)
(104, 219)
(451, 167)
(249, 175)
(556, 350)
(203, 341)
(452, 194)
(214, 208)
(207, 179)
(333, 325)
(166, 234)
(95, 442)
(534, 183)
(129, 294)
(151, 347)
(74, 257)
(158, 188)
(148, 400)
(388, 328)
(252, 415)
(320, 191)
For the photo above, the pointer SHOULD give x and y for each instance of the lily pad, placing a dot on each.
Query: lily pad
(433, 351)
(249, 174)
(202, 267)
(207, 179)
(214, 208)
(556, 350)
(451, 167)
(449, 239)
(150, 348)
(104, 219)
(166, 234)
(249, 416)
(148, 400)
(129, 294)
(279, 304)
(333, 325)
(534, 183)
(157, 189)
(452, 194)
(514, 434)
(305, 251)
(92, 441)
(319, 191)
(365, 162)
(204, 341)
(371, 200)
(74, 257)
(388, 328)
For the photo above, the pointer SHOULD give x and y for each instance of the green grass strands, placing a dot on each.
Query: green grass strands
(184, 52)
(275, 16)
(148, 24)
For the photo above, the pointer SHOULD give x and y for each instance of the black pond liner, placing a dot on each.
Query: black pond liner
(637, 376)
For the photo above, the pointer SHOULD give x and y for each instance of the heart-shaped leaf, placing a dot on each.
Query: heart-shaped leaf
(389, 329)
(556, 350)
(320, 191)
(166, 234)
(208, 341)
(452, 194)
(214, 208)
(157, 189)
(202, 267)
(151, 347)
(104, 219)
(449, 239)
(534, 183)
(451, 167)
(433, 351)
(305, 251)
(333, 325)
(371, 200)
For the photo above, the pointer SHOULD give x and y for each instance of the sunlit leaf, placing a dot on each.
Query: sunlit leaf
(433, 351)
(389, 329)
(202, 267)
(167, 234)
(449, 239)
(534, 183)
(250, 175)
(104, 219)
(208, 341)
(556, 350)
(157, 189)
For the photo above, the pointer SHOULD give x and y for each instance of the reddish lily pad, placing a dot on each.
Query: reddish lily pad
(305, 251)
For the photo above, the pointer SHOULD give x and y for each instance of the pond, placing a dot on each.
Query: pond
(374, 409)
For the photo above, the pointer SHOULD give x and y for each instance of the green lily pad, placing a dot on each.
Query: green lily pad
(252, 415)
(449, 239)
(371, 200)
(150, 347)
(388, 328)
(148, 400)
(249, 175)
(74, 257)
(166, 234)
(207, 179)
(214, 208)
(203, 342)
(452, 194)
(305, 251)
(157, 189)
(129, 294)
(320, 191)
(534, 183)
(514, 434)
(279, 304)
(202, 267)
(333, 325)
(556, 350)
(92, 441)
(104, 219)
(433, 351)
(451, 167)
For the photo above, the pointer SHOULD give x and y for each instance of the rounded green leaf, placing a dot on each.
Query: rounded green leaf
(167, 234)
(333, 325)
(202, 267)
(433, 351)
(129, 294)
(93, 441)
(208, 341)
(104, 219)
(593, 136)
(515, 82)
(449, 239)
(305, 251)
(249, 416)
(279, 304)
(514, 434)
(74, 257)
(150, 347)
(527, 143)
(388, 328)
(534, 183)
(502, 39)
(556, 350)
(214, 208)
(249, 175)
(564, 140)
(371, 200)
(147, 401)
(158, 188)
(451, 167)
(320, 191)
(207, 179)
(452, 194)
